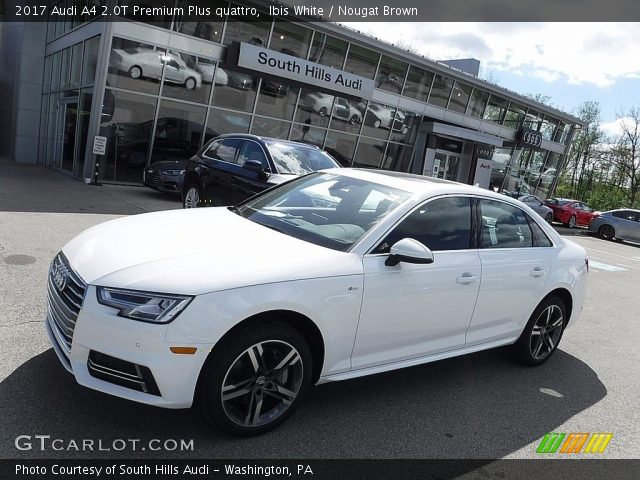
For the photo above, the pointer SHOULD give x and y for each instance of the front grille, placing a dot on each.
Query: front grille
(152, 177)
(120, 372)
(65, 296)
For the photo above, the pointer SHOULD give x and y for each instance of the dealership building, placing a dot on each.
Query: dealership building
(101, 100)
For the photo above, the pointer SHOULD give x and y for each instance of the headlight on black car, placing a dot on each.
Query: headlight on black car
(143, 306)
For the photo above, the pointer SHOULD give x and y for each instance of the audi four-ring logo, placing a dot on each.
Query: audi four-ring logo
(532, 138)
(59, 275)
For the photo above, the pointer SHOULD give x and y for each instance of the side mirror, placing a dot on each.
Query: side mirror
(253, 165)
(410, 251)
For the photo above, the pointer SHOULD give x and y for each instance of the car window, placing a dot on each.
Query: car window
(323, 208)
(585, 208)
(253, 151)
(576, 206)
(626, 215)
(211, 150)
(504, 226)
(227, 150)
(441, 224)
(540, 239)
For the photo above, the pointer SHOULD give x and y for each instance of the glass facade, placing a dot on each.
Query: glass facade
(161, 103)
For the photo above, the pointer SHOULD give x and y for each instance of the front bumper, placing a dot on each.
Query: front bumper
(99, 330)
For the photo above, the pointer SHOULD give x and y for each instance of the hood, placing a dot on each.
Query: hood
(168, 165)
(197, 251)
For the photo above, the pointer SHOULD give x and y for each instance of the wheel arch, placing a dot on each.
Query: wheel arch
(566, 297)
(302, 323)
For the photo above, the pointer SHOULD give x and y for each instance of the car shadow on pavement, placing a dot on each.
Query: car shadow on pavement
(482, 405)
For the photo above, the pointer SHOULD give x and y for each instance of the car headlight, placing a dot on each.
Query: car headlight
(172, 172)
(143, 306)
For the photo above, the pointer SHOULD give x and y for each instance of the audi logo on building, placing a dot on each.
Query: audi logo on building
(530, 138)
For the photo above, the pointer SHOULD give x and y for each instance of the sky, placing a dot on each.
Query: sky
(569, 62)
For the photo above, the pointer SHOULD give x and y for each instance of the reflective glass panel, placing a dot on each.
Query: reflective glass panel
(290, 39)
(328, 51)
(391, 73)
(361, 61)
(341, 147)
(418, 83)
(239, 92)
(268, 127)
(225, 121)
(369, 153)
(440, 91)
(127, 122)
(178, 131)
(135, 66)
(277, 98)
(188, 77)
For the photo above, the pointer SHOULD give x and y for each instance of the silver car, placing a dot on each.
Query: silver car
(623, 224)
(536, 204)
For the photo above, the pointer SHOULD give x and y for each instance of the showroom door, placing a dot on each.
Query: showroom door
(447, 166)
(66, 134)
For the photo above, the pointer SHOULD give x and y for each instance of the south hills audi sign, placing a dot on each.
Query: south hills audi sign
(280, 64)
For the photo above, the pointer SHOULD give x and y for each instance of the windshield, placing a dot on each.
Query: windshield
(298, 159)
(326, 209)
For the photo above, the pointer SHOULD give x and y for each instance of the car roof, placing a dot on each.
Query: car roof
(266, 139)
(415, 184)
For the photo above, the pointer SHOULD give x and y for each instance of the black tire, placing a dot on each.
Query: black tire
(607, 232)
(549, 218)
(322, 112)
(232, 358)
(526, 346)
(190, 83)
(188, 201)
(354, 120)
(135, 72)
(572, 223)
(377, 123)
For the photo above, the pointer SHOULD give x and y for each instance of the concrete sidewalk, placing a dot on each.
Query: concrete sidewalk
(34, 188)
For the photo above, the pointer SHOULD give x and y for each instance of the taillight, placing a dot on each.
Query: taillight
(586, 264)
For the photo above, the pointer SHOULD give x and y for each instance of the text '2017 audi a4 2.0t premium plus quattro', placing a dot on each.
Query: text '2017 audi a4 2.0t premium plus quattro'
(330, 276)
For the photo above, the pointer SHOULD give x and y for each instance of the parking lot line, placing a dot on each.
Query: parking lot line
(607, 267)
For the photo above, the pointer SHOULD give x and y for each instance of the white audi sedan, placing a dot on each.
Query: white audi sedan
(330, 276)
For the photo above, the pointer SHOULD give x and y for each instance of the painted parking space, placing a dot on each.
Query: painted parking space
(609, 257)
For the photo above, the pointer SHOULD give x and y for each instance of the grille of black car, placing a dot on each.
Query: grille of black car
(65, 296)
(152, 177)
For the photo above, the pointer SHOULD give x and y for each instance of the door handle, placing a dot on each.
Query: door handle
(537, 272)
(466, 278)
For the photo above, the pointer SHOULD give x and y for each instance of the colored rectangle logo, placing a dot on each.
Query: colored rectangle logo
(574, 442)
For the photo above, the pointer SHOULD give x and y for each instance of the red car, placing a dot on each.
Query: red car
(572, 213)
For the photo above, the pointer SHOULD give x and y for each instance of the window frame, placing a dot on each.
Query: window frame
(473, 234)
(534, 238)
(248, 141)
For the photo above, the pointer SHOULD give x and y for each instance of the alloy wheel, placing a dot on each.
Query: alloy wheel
(192, 198)
(546, 332)
(572, 221)
(262, 383)
(607, 232)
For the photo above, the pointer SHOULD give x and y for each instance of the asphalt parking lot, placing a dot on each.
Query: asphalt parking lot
(479, 406)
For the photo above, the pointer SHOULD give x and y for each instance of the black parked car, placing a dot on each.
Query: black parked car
(233, 167)
(165, 176)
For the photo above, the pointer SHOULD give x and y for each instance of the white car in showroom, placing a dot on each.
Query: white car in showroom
(334, 275)
(147, 63)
